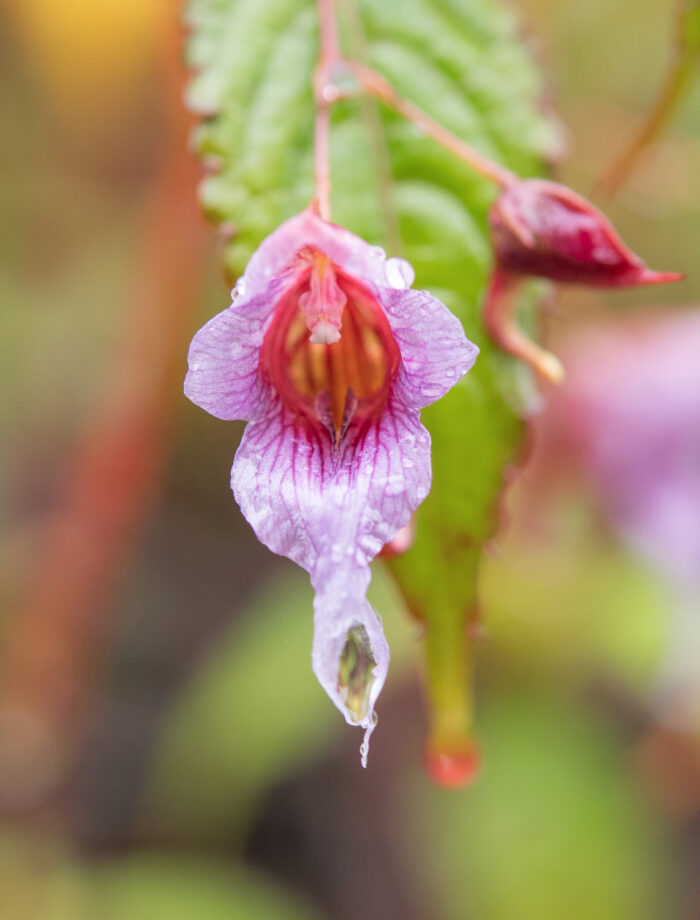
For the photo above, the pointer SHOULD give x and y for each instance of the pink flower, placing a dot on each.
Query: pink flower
(632, 413)
(329, 355)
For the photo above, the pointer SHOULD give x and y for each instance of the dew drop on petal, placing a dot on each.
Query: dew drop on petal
(239, 289)
(606, 255)
(330, 93)
(399, 273)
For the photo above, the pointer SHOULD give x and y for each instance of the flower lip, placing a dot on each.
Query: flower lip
(329, 351)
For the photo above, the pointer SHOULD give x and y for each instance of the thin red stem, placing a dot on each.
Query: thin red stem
(376, 85)
(677, 82)
(322, 160)
(328, 22)
(53, 650)
(328, 58)
(501, 324)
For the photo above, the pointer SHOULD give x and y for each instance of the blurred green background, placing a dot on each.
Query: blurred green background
(180, 759)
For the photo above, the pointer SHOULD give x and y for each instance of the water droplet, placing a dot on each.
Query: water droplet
(356, 672)
(240, 288)
(606, 255)
(399, 273)
(378, 252)
(330, 93)
(372, 720)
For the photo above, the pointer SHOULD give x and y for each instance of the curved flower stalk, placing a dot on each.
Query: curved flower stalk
(543, 229)
(329, 355)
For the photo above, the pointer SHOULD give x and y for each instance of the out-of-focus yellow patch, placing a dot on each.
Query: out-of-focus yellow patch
(90, 55)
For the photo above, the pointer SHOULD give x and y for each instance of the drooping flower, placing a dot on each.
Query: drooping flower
(544, 229)
(329, 355)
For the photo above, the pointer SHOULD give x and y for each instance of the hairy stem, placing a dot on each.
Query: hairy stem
(374, 84)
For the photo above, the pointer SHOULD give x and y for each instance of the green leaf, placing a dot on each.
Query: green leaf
(572, 610)
(41, 879)
(146, 887)
(555, 827)
(689, 29)
(463, 63)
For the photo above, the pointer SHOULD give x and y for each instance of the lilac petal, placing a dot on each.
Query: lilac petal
(631, 408)
(303, 501)
(331, 512)
(344, 618)
(435, 353)
(224, 356)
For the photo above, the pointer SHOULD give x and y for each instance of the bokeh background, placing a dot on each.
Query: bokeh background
(165, 750)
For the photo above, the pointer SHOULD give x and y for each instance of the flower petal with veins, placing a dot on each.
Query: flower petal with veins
(334, 460)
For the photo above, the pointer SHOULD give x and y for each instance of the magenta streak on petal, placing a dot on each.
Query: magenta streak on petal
(434, 351)
(332, 514)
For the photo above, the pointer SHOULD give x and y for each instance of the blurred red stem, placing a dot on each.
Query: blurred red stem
(112, 480)
(328, 58)
(677, 82)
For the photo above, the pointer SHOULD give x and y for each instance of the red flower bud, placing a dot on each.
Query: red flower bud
(544, 229)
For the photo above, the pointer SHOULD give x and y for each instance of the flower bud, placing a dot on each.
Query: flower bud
(544, 229)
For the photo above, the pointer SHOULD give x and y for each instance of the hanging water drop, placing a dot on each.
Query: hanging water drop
(356, 673)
